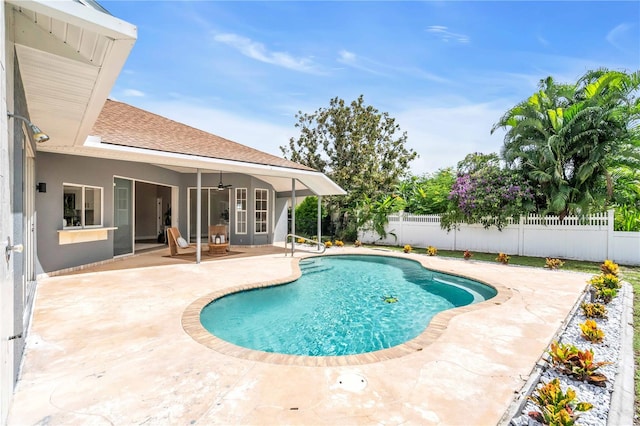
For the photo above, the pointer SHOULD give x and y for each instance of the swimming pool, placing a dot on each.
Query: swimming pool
(341, 305)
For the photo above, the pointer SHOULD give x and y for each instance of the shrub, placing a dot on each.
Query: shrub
(608, 267)
(357, 243)
(467, 255)
(606, 295)
(594, 310)
(591, 332)
(605, 281)
(339, 243)
(577, 363)
(503, 258)
(300, 240)
(407, 248)
(552, 263)
(556, 407)
(432, 251)
(328, 244)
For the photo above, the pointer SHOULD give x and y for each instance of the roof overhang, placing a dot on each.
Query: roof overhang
(69, 55)
(307, 181)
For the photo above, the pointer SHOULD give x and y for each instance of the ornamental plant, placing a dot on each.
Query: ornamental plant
(606, 295)
(407, 248)
(300, 240)
(432, 251)
(339, 243)
(594, 310)
(591, 332)
(467, 255)
(552, 263)
(503, 258)
(556, 406)
(328, 244)
(577, 363)
(609, 267)
(357, 243)
(489, 196)
(605, 281)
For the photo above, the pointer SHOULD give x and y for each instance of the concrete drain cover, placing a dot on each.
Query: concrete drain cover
(352, 382)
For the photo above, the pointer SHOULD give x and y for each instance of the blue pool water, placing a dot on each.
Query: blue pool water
(338, 307)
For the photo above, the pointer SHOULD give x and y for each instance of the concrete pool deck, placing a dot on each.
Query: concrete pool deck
(109, 347)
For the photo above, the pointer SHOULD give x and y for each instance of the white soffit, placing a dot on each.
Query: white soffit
(69, 56)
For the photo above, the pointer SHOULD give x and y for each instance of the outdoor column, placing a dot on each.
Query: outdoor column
(319, 221)
(293, 214)
(198, 213)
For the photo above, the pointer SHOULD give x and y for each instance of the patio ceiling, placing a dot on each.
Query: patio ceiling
(70, 55)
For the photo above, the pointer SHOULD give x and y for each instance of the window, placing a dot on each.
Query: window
(262, 209)
(82, 206)
(241, 210)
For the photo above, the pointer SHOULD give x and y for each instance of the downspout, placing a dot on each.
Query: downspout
(198, 213)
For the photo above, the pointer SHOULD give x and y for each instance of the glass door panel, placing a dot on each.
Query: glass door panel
(122, 216)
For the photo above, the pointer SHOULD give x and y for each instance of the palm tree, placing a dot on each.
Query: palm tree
(566, 136)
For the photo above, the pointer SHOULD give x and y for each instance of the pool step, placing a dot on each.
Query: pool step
(316, 270)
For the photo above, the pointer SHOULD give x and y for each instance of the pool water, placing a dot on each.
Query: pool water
(341, 305)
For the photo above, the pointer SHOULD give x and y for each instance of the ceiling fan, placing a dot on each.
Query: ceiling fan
(222, 186)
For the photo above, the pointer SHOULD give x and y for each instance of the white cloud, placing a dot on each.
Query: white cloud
(543, 41)
(352, 60)
(444, 135)
(614, 36)
(259, 52)
(133, 93)
(445, 35)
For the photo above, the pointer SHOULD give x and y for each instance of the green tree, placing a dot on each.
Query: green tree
(359, 148)
(307, 217)
(565, 137)
(427, 194)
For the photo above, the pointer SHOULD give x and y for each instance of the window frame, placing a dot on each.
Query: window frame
(83, 205)
(241, 213)
(265, 211)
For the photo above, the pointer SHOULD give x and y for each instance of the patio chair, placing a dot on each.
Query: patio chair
(218, 240)
(176, 242)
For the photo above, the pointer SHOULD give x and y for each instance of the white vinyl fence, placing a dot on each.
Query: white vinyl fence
(591, 239)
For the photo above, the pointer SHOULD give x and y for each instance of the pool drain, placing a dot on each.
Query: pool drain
(352, 382)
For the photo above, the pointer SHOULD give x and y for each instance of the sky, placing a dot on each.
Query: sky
(446, 71)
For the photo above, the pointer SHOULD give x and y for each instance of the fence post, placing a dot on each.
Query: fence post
(400, 227)
(610, 221)
(521, 236)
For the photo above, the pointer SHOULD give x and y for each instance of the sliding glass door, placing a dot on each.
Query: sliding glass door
(214, 210)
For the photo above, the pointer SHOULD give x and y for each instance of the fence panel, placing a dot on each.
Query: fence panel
(626, 248)
(476, 238)
(576, 238)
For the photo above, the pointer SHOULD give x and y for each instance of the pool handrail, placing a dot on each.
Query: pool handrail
(321, 247)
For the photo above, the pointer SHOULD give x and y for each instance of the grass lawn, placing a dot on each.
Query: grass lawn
(630, 274)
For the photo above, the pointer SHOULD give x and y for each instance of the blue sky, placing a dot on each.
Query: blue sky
(445, 70)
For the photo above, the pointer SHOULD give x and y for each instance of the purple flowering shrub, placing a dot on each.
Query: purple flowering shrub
(489, 196)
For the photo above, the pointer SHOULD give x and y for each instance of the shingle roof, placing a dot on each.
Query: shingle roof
(125, 125)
